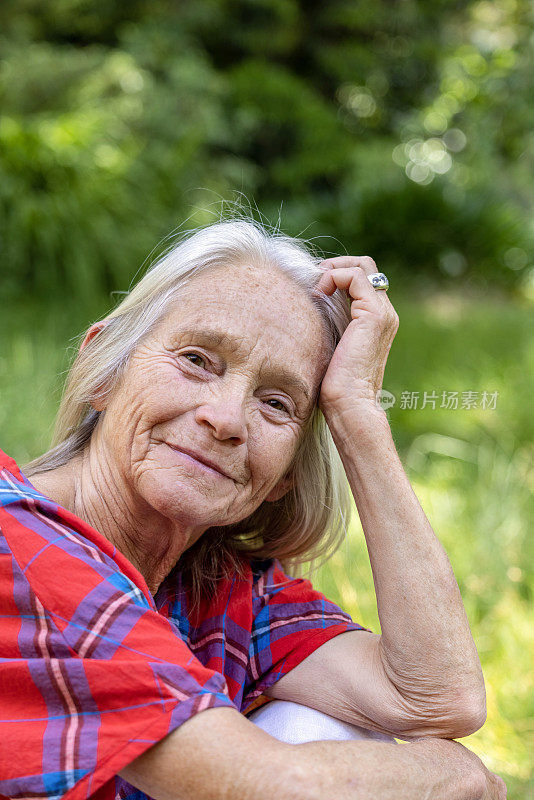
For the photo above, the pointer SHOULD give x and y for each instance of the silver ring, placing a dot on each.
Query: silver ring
(378, 281)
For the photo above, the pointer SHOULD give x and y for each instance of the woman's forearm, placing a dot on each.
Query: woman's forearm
(220, 755)
(426, 644)
(436, 768)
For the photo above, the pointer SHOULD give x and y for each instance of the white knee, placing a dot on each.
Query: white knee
(294, 723)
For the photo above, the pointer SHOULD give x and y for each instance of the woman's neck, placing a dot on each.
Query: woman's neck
(88, 488)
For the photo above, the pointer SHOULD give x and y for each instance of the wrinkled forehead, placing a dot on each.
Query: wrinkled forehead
(246, 281)
(246, 296)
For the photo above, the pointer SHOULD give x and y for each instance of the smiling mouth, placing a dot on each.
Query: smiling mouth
(197, 462)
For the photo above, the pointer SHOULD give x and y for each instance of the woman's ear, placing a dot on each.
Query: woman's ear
(93, 331)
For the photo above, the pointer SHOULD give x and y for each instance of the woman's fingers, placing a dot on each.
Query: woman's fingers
(351, 261)
(364, 263)
(342, 278)
(353, 279)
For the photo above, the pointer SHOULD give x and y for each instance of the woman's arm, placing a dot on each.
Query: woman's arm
(426, 651)
(364, 770)
(220, 755)
(426, 659)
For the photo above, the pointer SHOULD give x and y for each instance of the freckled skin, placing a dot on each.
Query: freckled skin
(139, 492)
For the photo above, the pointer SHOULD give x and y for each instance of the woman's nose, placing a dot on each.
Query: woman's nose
(225, 416)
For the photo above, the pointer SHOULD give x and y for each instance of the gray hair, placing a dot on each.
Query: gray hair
(310, 521)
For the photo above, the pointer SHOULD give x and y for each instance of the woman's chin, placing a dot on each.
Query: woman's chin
(181, 498)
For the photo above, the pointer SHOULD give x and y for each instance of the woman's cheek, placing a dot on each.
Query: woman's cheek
(278, 446)
(164, 395)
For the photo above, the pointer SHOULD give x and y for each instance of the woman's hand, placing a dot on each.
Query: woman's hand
(356, 369)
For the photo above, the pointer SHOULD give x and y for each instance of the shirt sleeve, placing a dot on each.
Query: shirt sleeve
(291, 619)
(91, 675)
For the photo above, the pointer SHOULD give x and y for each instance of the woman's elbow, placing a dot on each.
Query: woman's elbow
(465, 706)
(468, 715)
(447, 717)
(461, 716)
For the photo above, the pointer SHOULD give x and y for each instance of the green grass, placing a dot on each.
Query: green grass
(472, 470)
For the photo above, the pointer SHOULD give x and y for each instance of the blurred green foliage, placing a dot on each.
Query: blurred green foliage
(403, 130)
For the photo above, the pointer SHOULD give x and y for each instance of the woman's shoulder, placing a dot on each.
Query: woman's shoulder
(36, 530)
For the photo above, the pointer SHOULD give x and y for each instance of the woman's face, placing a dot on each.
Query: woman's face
(238, 399)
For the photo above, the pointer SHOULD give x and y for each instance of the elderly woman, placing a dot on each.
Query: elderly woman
(204, 441)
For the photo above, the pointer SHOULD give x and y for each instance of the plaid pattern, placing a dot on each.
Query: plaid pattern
(94, 670)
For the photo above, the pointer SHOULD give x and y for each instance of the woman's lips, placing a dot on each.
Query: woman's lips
(198, 462)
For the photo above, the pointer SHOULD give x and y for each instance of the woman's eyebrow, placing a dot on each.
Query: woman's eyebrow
(209, 336)
(288, 378)
(216, 338)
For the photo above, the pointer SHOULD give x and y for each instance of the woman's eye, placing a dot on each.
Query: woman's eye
(195, 355)
(274, 400)
(281, 405)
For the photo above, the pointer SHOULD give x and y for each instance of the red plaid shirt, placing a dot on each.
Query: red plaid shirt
(94, 670)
